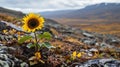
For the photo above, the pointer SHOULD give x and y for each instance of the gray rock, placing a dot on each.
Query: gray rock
(114, 40)
(13, 26)
(9, 60)
(117, 50)
(87, 34)
(2, 26)
(7, 38)
(89, 41)
(103, 45)
(93, 49)
(100, 63)
(111, 39)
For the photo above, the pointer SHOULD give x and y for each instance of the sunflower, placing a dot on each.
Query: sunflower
(33, 22)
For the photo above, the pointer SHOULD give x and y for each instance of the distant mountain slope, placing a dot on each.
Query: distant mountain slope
(11, 12)
(56, 14)
(108, 11)
(99, 12)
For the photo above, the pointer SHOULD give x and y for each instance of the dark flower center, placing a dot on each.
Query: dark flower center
(33, 23)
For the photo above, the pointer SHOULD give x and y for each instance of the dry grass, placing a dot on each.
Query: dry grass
(113, 28)
(95, 25)
(8, 18)
(74, 21)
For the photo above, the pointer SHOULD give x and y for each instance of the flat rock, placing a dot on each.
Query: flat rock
(9, 60)
(100, 63)
(86, 34)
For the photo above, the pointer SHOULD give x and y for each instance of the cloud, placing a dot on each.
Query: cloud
(43, 5)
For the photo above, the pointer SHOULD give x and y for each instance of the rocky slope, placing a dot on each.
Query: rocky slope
(66, 40)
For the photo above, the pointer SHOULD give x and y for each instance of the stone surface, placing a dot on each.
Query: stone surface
(99, 63)
(9, 60)
(2, 26)
(88, 34)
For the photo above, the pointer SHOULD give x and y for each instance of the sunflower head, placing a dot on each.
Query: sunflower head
(32, 22)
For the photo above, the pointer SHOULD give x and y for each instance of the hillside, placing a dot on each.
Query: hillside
(102, 13)
(11, 12)
(92, 47)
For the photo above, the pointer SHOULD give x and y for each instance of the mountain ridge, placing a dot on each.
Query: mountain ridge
(10, 12)
(109, 12)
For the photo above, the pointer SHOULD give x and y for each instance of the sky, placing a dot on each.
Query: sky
(27, 6)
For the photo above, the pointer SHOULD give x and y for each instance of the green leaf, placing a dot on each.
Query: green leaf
(45, 35)
(40, 36)
(47, 45)
(24, 38)
(30, 45)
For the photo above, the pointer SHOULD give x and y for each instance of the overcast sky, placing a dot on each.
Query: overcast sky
(49, 5)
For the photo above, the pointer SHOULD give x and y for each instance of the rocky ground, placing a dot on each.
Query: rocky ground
(95, 50)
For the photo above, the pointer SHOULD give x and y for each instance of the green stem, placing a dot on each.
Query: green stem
(36, 42)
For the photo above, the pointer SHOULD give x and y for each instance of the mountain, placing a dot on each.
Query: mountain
(56, 14)
(9, 12)
(104, 12)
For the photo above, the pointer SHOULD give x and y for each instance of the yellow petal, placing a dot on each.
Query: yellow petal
(74, 54)
(79, 55)
(38, 55)
(4, 31)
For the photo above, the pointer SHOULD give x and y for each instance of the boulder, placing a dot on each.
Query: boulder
(2, 26)
(9, 60)
(100, 63)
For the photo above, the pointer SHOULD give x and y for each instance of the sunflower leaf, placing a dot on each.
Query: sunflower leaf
(45, 35)
(47, 45)
(24, 38)
(40, 36)
(30, 45)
